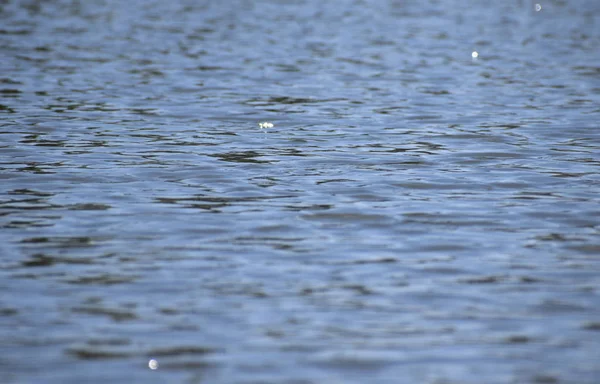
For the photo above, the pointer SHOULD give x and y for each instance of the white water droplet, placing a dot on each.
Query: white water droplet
(153, 364)
(265, 125)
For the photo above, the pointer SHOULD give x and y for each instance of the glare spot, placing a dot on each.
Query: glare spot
(153, 364)
(265, 125)
(538, 7)
(475, 54)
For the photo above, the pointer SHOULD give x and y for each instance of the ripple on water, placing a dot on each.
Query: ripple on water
(414, 214)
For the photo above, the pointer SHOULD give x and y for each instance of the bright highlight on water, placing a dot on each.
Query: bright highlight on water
(265, 125)
(153, 364)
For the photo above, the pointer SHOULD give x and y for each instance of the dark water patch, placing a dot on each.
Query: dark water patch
(39, 275)
(30, 192)
(9, 92)
(583, 70)
(182, 350)
(7, 109)
(27, 205)
(484, 280)
(530, 280)
(315, 207)
(42, 260)
(518, 339)
(6, 80)
(97, 354)
(102, 279)
(554, 306)
(16, 224)
(89, 207)
(345, 218)
(384, 260)
(591, 248)
(546, 379)
(8, 312)
(60, 242)
(115, 314)
(242, 157)
(209, 202)
(592, 326)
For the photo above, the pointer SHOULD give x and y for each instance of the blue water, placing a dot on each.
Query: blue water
(415, 214)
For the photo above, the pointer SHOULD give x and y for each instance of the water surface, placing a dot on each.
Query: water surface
(415, 215)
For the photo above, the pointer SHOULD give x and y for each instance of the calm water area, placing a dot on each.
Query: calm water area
(425, 207)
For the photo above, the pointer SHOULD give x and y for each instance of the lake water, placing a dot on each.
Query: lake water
(425, 208)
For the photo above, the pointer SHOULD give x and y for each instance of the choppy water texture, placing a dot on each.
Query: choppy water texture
(415, 215)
